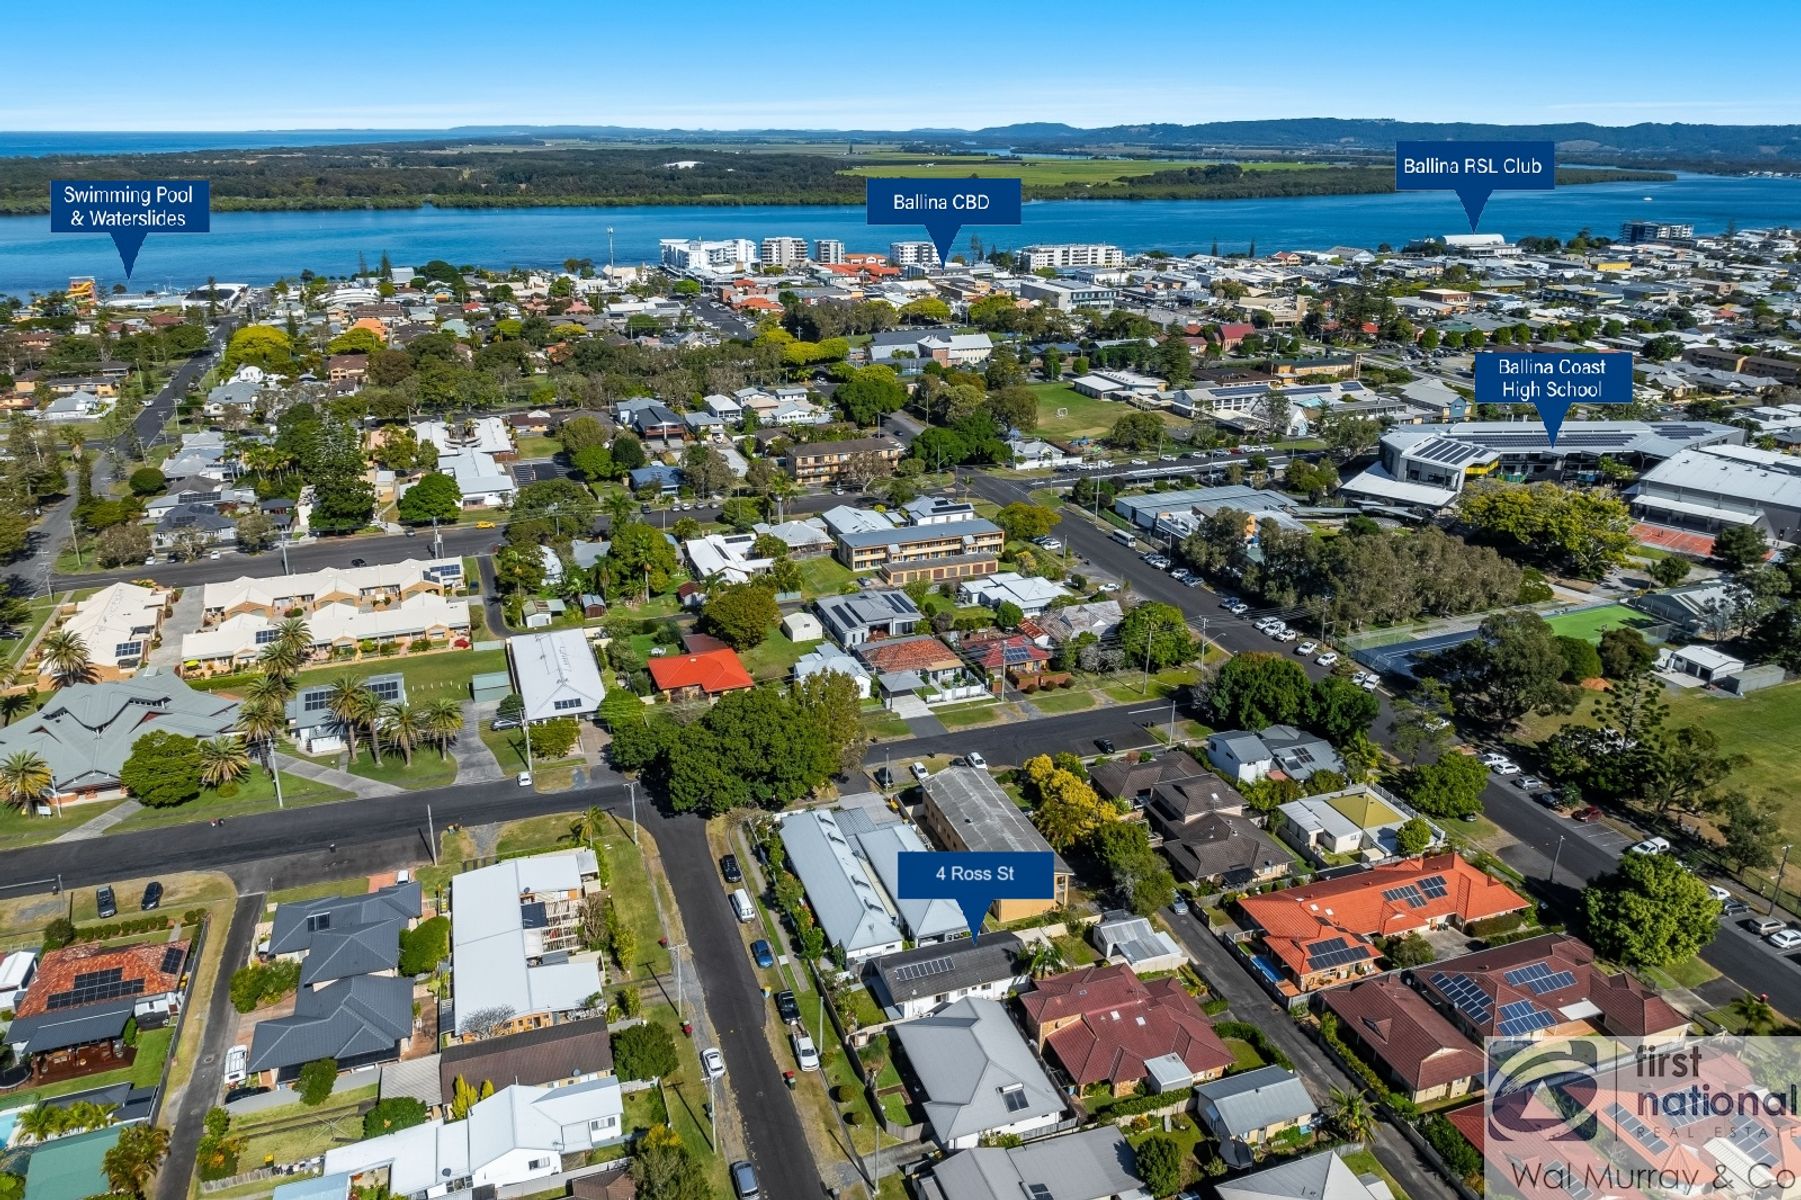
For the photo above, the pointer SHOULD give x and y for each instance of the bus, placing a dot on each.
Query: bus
(1125, 538)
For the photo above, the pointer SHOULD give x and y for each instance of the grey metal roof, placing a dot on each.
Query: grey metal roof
(297, 922)
(976, 1071)
(845, 614)
(85, 733)
(1091, 1165)
(852, 909)
(415, 1078)
(949, 967)
(1322, 1176)
(352, 1018)
(1255, 1100)
(64, 1027)
(985, 817)
(919, 533)
(359, 950)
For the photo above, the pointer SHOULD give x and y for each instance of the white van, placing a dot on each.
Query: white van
(742, 906)
(1125, 539)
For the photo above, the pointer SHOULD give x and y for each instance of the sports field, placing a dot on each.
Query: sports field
(1064, 413)
(1591, 623)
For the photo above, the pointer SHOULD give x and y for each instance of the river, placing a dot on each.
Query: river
(261, 247)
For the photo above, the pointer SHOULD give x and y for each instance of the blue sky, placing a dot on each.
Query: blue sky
(248, 64)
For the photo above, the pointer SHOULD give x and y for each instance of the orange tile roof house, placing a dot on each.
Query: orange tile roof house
(1323, 934)
(1102, 1024)
(71, 1020)
(1410, 1041)
(693, 676)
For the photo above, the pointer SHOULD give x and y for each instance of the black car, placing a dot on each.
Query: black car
(728, 867)
(359, 562)
(787, 1007)
(884, 777)
(1106, 745)
(105, 905)
(244, 1093)
(153, 897)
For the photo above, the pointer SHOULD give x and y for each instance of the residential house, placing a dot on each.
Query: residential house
(913, 983)
(650, 419)
(1030, 594)
(317, 729)
(707, 675)
(1247, 1111)
(554, 1055)
(957, 550)
(1210, 846)
(1095, 1164)
(922, 666)
(665, 479)
(848, 859)
(964, 809)
(471, 452)
(118, 624)
(804, 538)
(1061, 626)
(1003, 657)
(195, 522)
(816, 463)
(1363, 821)
(347, 368)
(1294, 753)
(85, 733)
(1324, 933)
(1125, 938)
(359, 1021)
(1135, 780)
(845, 518)
(976, 1075)
(71, 1019)
(726, 557)
(1321, 1176)
(869, 615)
(556, 674)
(831, 658)
(1104, 1025)
(79, 405)
(519, 1134)
(1422, 1055)
(235, 643)
(936, 510)
(1550, 983)
(516, 947)
(336, 937)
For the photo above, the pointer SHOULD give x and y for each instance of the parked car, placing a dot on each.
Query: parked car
(1733, 908)
(1785, 938)
(1528, 783)
(153, 897)
(523, 779)
(974, 759)
(762, 954)
(787, 1007)
(1369, 682)
(1286, 635)
(1491, 759)
(728, 867)
(712, 1062)
(1507, 768)
(1651, 845)
(1307, 647)
(1327, 659)
(884, 777)
(807, 1054)
(744, 1181)
(1718, 893)
(237, 1062)
(1550, 800)
(1179, 906)
(1105, 744)
(919, 771)
(1586, 813)
(105, 904)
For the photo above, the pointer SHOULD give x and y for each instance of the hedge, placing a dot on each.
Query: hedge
(1133, 1105)
(1488, 927)
(1245, 1032)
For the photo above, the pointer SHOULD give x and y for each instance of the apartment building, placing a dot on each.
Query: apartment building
(964, 809)
(957, 550)
(827, 462)
(828, 252)
(516, 942)
(1057, 256)
(706, 258)
(1068, 295)
(913, 254)
(277, 595)
(784, 251)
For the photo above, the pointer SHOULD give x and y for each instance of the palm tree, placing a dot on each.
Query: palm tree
(618, 507)
(293, 631)
(222, 760)
(14, 703)
(588, 828)
(133, 1161)
(1755, 1012)
(368, 709)
(24, 779)
(1044, 958)
(1351, 1115)
(405, 727)
(41, 1123)
(270, 688)
(66, 660)
(279, 660)
(347, 704)
(261, 721)
(443, 721)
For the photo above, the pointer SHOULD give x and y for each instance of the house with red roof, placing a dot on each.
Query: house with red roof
(1420, 1053)
(704, 676)
(1325, 933)
(1103, 1024)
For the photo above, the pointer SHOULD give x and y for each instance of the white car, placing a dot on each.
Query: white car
(807, 1054)
(1786, 938)
(1327, 659)
(1307, 647)
(524, 779)
(1506, 768)
(1491, 759)
(1369, 682)
(919, 771)
(237, 1062)
(1718, 893)
(1106, 585)
(1285, 635)
(1652, 845)
(713, 1062)
(974, 759)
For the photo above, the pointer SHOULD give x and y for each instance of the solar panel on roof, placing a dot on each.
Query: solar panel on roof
(1463, 992)
(1539, 978)
(1522, 1017)
(1407, 893)
(1434, 886)
(921, 970)
(1334, 952)
(172, 959)
(1015, 1098)
(1641, 1132)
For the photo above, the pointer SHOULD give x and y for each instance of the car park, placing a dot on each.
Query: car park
(1307, 647)
(787, 1007)
(712, 1062)
(762, 954)
(805, 1052)
(1327, 659)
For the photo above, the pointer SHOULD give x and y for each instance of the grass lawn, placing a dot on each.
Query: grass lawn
(294, 1131)
(153, 1050)
(823, 575)
(878, 721)
(425, 771)
(1691, 972)
(1590, 623)
(36, 615)
(536, 445)
(1189, 1139)
(317, 891)
(1365, 1163)
(968, 716)
(440, 675)
(255, 794)
(549, 832)
(1244, 1055)
(774, 657)
(25, 829)
(629, 889)
(50, 1091)
(1065, 413)
(1073, 700)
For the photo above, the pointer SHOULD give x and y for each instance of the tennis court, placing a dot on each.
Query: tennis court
(1589, 623)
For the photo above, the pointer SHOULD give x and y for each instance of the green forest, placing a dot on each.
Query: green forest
(410, 175)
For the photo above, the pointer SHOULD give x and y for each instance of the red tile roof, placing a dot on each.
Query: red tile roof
(1627, 1007)
(69, 970)
(714, 672)
(998, 651)
(1115, 1021)
(1470, 1123)
(1402, 1029)
(1299, 925)
(908, 654)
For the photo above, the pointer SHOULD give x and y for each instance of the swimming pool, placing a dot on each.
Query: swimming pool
(1266, 968)
(8, 1119)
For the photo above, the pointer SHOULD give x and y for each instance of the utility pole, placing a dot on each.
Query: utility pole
(1776, 887)
(632, 784)
(431, 833)
(1552, 877)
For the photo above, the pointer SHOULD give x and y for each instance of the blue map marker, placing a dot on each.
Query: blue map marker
(1552, 383)
(130, 209)
(1475, 170)
(943, 206)
(976, 880)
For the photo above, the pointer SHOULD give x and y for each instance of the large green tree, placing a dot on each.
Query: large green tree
(740, 614)
(870, 394)
(1157, 634)
(1260, 689)
(1338, 709)
(433, 497)
(1512, 667)
(1650, 911)
(163, 769)
(1449, 788)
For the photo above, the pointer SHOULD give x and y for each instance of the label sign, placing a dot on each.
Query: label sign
(976, 880)
(1475, 170)
(1552, 382)
(129, 209)
(943, 206)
